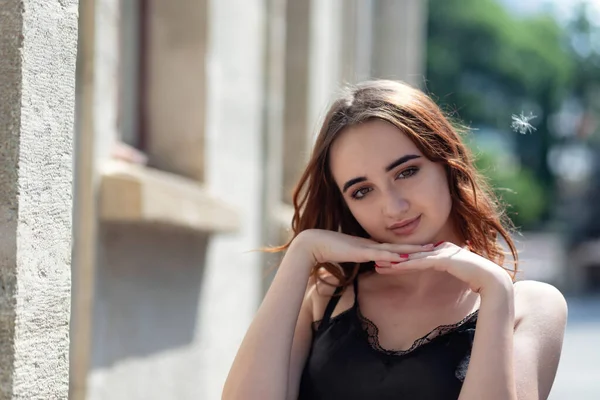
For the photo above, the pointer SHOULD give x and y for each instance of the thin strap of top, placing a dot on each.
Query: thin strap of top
(355, 284)
(335, 298)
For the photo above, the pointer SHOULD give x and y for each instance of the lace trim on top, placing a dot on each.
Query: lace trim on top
(315, 325)
(372, 333)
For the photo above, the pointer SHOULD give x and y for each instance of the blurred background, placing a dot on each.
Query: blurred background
(195, 119)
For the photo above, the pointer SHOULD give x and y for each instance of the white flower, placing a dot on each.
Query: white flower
(520, 123)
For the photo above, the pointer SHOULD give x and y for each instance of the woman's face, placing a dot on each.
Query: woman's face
(395, 193)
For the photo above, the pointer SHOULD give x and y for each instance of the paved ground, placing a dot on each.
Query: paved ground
(578, 375)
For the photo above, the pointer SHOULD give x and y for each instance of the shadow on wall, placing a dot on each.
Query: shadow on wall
(147, 291)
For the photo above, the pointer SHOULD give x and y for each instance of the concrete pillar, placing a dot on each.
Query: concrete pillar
(325, 78)
(357, 31)
(96, 133)
(231, 289)
(274, 128)
(84, 208)
(38, 40)
(399, 32)
(313, 74)
(297, 91)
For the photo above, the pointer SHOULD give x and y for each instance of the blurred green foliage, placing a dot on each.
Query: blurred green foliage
(517, 189)
(485, 64)
(489, 62)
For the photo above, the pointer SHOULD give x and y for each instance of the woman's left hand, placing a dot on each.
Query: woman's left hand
(481, 274)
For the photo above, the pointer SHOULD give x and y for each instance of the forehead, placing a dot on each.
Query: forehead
(368, 147)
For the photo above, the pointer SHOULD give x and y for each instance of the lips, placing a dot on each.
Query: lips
(405, 227)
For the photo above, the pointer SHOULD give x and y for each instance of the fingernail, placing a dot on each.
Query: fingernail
(379, 266)
(403, 255)
(438, 243)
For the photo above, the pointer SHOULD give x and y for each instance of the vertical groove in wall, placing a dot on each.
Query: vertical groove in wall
(84, 205)
(274, 103)
(11, 43)
(296, 98)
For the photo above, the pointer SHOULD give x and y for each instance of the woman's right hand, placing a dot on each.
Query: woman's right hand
(323, 246)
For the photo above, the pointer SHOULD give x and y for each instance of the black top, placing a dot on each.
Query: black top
(346, 361)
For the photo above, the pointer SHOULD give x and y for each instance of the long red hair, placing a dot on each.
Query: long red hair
(318, 203)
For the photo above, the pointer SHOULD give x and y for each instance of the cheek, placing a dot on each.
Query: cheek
(440, 200)
(444, 203)
(363, 214)
(367, 216)
(430, 193)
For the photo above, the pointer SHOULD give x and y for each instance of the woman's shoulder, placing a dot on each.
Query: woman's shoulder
(531, 292)
(539, 304)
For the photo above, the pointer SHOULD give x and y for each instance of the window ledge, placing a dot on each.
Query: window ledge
(138, 194)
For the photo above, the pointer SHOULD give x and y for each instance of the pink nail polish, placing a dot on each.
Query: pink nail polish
(403, 255)
(438, 243)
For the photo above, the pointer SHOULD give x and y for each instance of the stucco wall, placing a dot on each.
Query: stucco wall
(37, 81)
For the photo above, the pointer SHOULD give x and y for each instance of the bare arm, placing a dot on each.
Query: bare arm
(520, 365)
(491, 374)
(301, 344)
(539, 337)
(261, 367)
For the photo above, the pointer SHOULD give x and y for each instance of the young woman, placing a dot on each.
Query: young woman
(394, 285)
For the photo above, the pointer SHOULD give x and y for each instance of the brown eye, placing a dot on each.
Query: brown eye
(407, 173)
(360, 193)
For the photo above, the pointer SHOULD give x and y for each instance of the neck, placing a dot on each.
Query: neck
(422, 283)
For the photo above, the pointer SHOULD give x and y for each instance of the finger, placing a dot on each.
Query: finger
(385, 264)
(404, 248)
(419, 264)
(393, 269)
(383, 256)
(423, 254)
(449, 251)
(405, 257)
(382, 264)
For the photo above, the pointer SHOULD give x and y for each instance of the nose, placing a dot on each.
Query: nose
(395, 204)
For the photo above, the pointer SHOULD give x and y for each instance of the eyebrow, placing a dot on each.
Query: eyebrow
(390, 167)
(401, 161)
